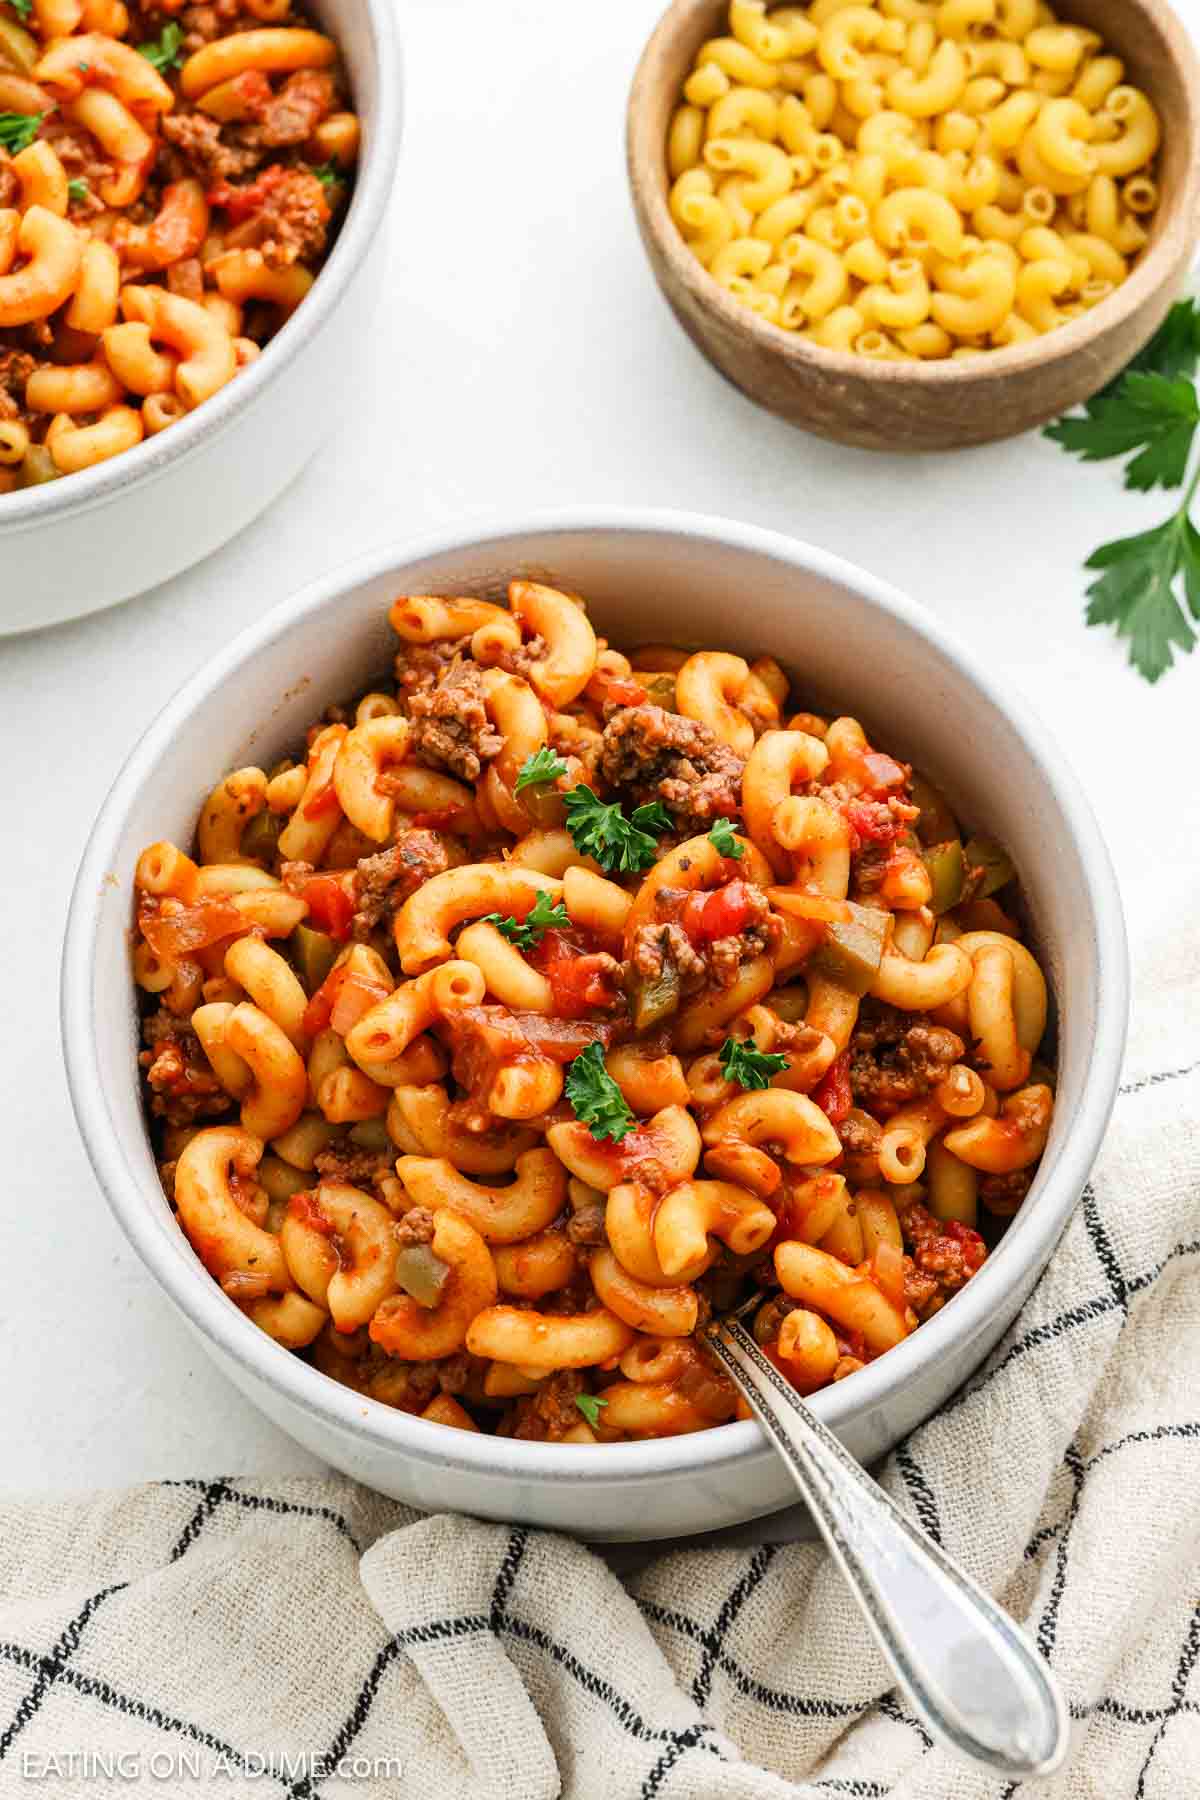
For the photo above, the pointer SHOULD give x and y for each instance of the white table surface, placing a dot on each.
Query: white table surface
(525, 358)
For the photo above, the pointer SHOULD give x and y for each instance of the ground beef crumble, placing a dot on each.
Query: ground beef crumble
(384, 882)
(203, 151)
(549, 1414)
(451, 729)
(356, 1167)
(16, 366)
(716, 963)
(414, 1227)
(291, 221)
(941, 1260)
(661, 755)
(897, 1056)
(1003, 1194)
(656, 946)
(183, 1088)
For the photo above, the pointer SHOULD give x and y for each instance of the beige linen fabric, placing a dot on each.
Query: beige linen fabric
(309, 1640)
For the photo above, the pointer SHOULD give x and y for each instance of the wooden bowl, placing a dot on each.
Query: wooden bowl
(927, 405)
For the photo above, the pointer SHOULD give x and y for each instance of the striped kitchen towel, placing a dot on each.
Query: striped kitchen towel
(308, 1640)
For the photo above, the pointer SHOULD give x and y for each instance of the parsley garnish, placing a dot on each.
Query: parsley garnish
(527, 933)
(619, 845)
(1152, 409)
(165, 52)
(589, 1405)
(721, 837)
(18, 130)
(1146, 412)
(544, 765)
(749, 1067)
(77, 190)
(595, 1097)
(22, 8)
(328, 174)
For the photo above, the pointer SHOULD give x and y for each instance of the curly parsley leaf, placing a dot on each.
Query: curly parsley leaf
(527, 933)
(1146, 412)
(22, 8)
(544, 765)
(1135, 592)
(590, 1405)
(18, 130)
(619, 845)
(165, 52)
(748, 1066)
(596, 1099)
(722, 838)
(77, 191)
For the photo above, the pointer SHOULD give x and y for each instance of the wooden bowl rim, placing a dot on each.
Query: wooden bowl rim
(1157, 264)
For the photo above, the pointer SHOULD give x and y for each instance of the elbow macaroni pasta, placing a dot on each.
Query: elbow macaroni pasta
(371, 984)
(162, 215)
(871, 192)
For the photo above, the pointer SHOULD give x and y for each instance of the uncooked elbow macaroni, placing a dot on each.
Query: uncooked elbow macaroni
(813, 1037)
(871, 191)
(165, 212)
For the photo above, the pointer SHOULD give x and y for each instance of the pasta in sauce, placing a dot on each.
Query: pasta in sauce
(554, 999)
(170, 178)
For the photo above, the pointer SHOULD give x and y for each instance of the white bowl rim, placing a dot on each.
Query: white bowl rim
(383, 1428)
(374, 180)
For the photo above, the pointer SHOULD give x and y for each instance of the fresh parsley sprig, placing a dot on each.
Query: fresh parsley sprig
(1149, 413)
(722, 838)
(544, 765)
(620, 845)
(747, 1066)
(595, 1098)
(164, 52)
(18, 130)
(77, 190)
(22, 8)
(590, 1405)
(527, 933)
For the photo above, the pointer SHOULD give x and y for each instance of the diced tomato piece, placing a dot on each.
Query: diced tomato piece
(615, 690)
(240, 202)
(319, 1010)
(561, 1040)
(832, 1093)
(330, 907)
(722, 913)
(173, 929)
(624, 693)
(579, 979)
(355, 997)
(871, 824)
(342, 999)
(441, 820)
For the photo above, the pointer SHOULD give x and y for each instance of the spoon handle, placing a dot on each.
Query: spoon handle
(971, 1674)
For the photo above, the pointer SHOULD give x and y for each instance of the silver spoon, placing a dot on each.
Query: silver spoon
(973, 1677)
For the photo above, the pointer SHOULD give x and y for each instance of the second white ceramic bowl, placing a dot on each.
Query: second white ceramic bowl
(87, 541)
(855, 644)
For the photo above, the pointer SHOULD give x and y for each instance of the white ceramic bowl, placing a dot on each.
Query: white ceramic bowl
(85, 542)
(856, 643)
